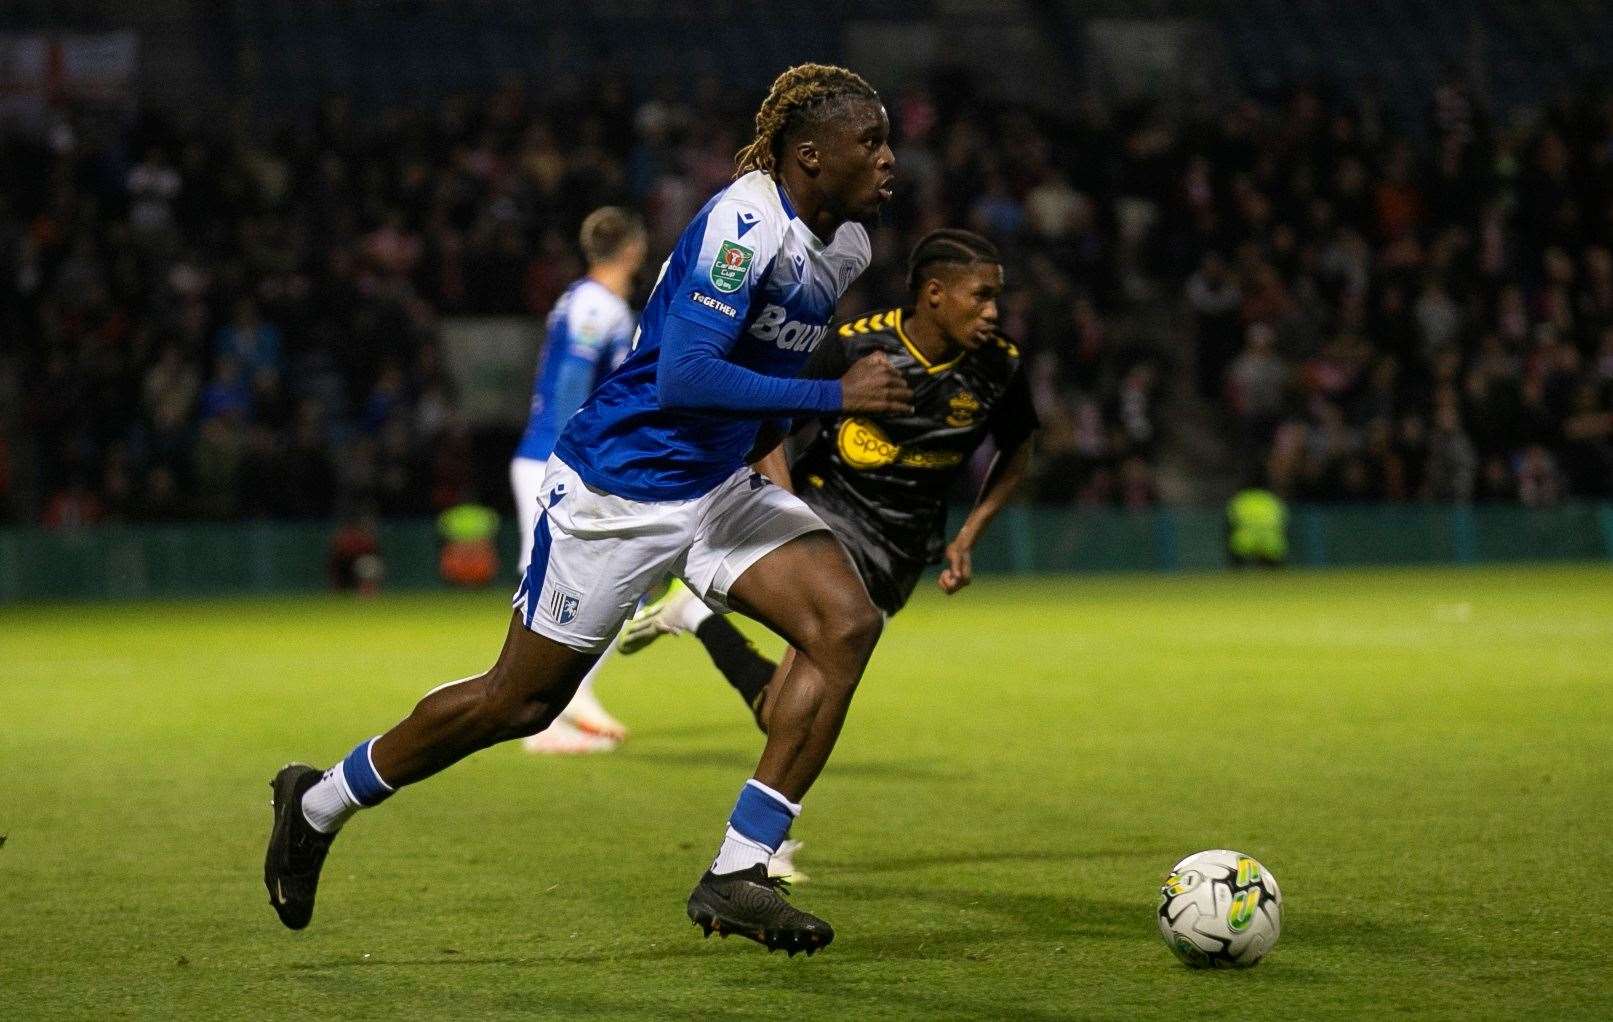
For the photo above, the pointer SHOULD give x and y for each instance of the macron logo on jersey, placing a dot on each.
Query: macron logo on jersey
(789, 334)
(747, 220)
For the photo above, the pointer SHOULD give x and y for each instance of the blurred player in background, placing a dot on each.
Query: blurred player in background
(650, 477)
(590, 331)
(880, 482)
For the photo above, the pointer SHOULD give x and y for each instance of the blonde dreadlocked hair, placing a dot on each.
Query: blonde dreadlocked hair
(797, 95)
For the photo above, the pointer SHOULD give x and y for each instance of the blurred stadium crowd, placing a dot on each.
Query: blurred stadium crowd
(1394, 318)
(236, 320)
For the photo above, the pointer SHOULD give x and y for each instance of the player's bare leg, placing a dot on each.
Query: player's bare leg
(831, 631)
(531, 682)
(519, 695)
(782, 863)
(584, 725)
(764, 701)
(679, 611)
(750, 673)
(808, 592)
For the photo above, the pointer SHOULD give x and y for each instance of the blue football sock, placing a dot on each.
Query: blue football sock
(346, 788)
(758, 825)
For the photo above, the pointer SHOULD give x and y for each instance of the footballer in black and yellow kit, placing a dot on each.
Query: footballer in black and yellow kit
(881, 483)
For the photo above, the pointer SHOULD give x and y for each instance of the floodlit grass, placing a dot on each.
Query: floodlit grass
(1423, 758)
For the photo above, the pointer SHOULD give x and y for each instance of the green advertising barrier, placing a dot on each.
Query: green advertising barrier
(134, 562)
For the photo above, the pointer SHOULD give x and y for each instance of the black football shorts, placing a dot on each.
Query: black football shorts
(890, 577)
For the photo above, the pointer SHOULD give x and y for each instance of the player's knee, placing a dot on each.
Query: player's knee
(863, 627)
(516, 707)
(850, 629)
(528, 716)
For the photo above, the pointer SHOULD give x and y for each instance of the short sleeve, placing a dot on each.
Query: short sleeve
(1013, 417)
(737, 246)
(591, 326)
(587, 336)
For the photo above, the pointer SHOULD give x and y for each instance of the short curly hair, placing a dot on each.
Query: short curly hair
(948, 246)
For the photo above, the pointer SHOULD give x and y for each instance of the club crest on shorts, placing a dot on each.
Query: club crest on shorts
(560, 604)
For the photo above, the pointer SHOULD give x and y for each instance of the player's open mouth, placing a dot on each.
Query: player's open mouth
(886, 189)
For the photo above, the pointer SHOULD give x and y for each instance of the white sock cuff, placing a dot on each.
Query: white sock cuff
(734, 835)
(739, 852)
(339, 774)
(369, 756)
(793, 807)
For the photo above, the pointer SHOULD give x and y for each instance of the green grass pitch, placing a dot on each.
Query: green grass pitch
(1423, 758)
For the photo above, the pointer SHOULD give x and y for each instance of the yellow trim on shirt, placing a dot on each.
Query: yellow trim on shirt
(895, 318)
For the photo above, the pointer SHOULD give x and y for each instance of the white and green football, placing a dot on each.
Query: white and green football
(1220, 909)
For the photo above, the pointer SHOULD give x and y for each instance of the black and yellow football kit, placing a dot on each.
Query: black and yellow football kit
(881, 482)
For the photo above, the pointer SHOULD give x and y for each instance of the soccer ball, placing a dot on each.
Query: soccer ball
(1220, 910)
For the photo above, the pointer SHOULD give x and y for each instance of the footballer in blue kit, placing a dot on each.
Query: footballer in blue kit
(588, 333)
(649, 477)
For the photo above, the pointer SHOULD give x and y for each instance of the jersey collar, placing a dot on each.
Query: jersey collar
(784, 200)
(814, 242)
(912, 349)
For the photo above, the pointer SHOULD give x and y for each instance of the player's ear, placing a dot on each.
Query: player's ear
(806, 154)
(933, 292)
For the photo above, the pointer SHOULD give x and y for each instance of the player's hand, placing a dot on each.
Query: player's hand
(873, 385)
(958, 571)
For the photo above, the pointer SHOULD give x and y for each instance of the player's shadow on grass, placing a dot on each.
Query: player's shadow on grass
(538, 959)
(736, 969)
(988, 915)
(908, 863)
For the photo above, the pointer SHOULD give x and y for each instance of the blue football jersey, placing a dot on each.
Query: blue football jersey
(749, 268)
(590, 325)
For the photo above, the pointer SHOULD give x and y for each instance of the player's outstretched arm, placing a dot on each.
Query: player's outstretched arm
(694, 374)
(1007, 471)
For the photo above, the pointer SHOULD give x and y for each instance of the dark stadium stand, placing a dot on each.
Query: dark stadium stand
(1402, 295)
